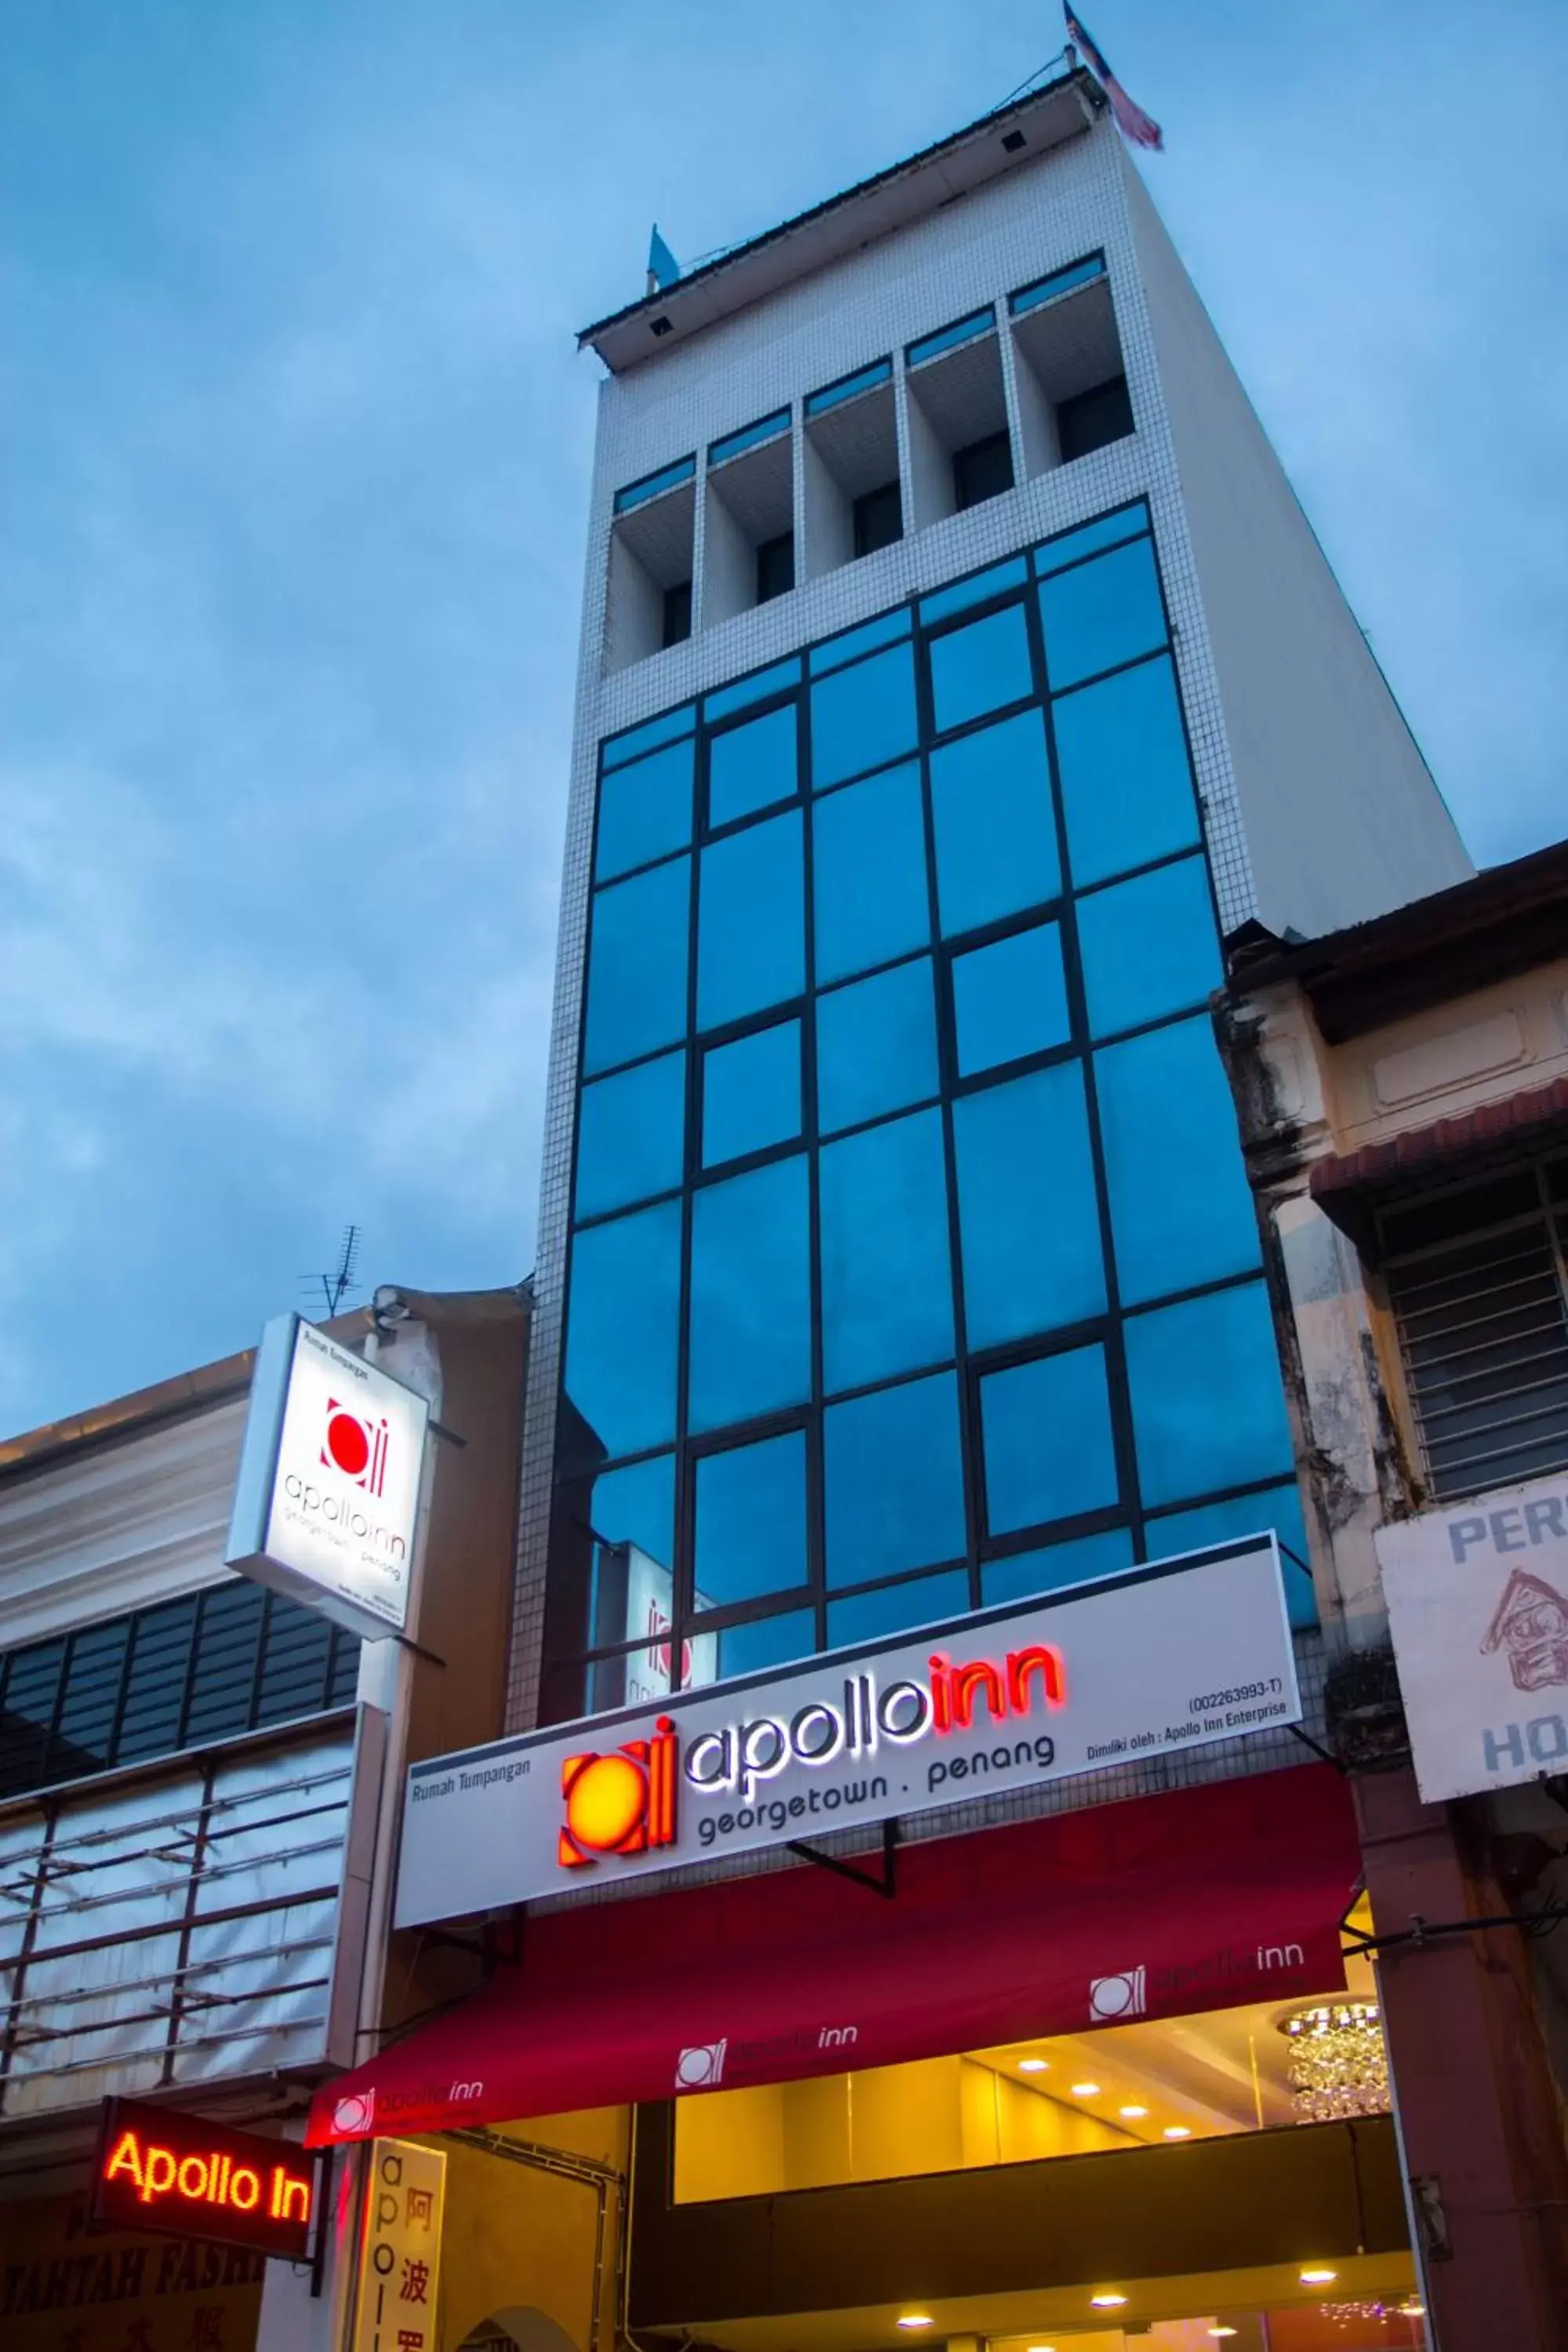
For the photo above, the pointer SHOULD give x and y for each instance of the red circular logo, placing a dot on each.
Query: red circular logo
(347, 1444)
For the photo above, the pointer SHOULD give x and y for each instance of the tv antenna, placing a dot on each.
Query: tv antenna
(345, 1277)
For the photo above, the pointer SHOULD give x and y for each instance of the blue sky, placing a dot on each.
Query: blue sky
(295, 455)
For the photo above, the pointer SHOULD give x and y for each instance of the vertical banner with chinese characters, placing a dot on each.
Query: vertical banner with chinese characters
(400, 2253)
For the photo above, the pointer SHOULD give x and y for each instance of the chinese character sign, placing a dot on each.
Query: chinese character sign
(400, 2261)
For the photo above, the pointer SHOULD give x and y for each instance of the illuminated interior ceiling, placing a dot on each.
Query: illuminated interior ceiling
(1225, 2070)
(1300, 2318)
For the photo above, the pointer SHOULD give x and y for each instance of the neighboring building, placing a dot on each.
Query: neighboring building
(198, 1798)
(957, 670)
(1404, 1093)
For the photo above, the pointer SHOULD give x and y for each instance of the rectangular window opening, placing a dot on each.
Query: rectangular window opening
(647, 603)
(1072, 384)
(749, 542)
(1480, 1301)
(852, 501)
(959, 447)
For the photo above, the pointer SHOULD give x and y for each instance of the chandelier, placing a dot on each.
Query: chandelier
(1338, 2065)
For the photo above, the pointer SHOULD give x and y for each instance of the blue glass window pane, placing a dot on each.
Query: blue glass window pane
(766, 429)
(919, 1601)
(635, 1505)
(1069, 546)
(1032, 1257)
(1279, 1507)
(995, 829)
(1056, 1568)
(651, 485)
(839, 650)
(1148, 947)
(893, 1481)
(747, 690)
(848, 387)
(1010, 999)
(751, 1521)
(767, 1642)
(982, 668)
(1127, 789)
(947, 339)
(1181, 1207)
(645, 810)
(1102, 613)
(750, 1093)
(751, 767)
(887, 1290)
(617, 748)
(751, 1296)
(973, 591)
(637, 966)
(1049, 1448)
(631, 1135)
(868, 874)
(621, 1330)
(750, 921)
(876, 1045)
(1208, 1409)
(1060, 282)
(863, 717)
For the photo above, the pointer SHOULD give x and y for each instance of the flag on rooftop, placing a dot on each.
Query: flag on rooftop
(1139, 128)
(663, 269)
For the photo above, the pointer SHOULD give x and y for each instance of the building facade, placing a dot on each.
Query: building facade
(1403, 1086)
(958, 673)
(199, 1786)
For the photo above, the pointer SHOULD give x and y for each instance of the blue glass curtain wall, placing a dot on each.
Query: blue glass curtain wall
(914, 1264)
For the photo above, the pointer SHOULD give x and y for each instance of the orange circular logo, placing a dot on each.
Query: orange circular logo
(605, 1802)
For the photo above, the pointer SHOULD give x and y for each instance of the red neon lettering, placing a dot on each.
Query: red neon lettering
(976, 1676)
(940, 1694)
(1051, 1666)
(205, 2181)
(663, 1757)
(284, 2193)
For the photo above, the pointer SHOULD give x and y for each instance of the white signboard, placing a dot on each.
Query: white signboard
(400, 2252)
(1477, 1599)
(327, 1502)
(1173, 1657)
(650, 1603)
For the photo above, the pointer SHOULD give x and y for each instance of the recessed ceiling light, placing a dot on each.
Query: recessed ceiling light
(1034, 2066)
(1319, 2276)
(1222, 2331)
(1108, 2302)
(1133, 2113)
(1178, 2131)
(1086, 2090)
(915, 2319)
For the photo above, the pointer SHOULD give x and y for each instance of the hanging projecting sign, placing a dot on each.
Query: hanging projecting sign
(327, 1502)
(1478, 1600)
(159, 2168)
(1173, 1657)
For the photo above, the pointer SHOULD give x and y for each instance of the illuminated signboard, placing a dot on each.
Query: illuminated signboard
(1176, 1655)
(158, 2169)
(326, 1506)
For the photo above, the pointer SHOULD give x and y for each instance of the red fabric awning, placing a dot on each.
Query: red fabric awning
(1204, 1898)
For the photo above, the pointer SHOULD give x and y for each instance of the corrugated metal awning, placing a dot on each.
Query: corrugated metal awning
(1353, 1186)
